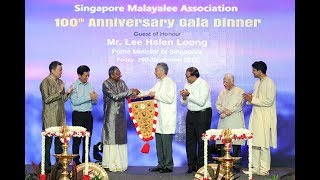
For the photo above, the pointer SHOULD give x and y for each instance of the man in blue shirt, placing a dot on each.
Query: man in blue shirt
(82, 98)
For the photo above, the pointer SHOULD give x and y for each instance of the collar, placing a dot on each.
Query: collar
(79, 82)
(53, 79)
(262, 79)
(112, 80)
(196, 81)
(163, 78)
(231, 88)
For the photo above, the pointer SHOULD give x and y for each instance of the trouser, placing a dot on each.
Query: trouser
(57, 149)
(196, 124)
(83, 119)
(164, 150)
(261, 159)
(236, 152)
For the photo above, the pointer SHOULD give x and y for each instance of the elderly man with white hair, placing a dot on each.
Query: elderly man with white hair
(229, 105)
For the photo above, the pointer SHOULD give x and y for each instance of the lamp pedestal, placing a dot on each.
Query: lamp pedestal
(65, 158)
(227, 160)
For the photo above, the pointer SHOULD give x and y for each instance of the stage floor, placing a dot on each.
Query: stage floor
(142, 173)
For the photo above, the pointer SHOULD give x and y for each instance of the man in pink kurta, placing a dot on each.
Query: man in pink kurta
(263, 119)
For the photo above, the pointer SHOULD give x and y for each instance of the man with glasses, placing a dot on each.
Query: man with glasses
(114, 132)
(196, 96)
(229, 105)
(165, 92)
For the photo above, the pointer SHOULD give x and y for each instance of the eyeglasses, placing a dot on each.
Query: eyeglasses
(187, 76)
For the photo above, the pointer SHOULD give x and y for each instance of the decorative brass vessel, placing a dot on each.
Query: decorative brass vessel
(65, 158)
(227, 160)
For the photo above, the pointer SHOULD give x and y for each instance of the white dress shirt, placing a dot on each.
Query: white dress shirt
(166, 96)
(199, 97)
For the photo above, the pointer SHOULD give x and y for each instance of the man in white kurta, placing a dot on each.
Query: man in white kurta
(263, 119)
(229, 105)
(164, 91)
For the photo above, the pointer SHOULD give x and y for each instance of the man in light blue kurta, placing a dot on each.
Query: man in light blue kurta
(82, 99)
(229, 105)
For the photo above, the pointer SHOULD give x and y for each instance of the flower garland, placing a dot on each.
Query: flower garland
(146, 147)
(86, 153)
(43, 175)
(73, 131)
(205, 160)
(250, 158)
(216, 134)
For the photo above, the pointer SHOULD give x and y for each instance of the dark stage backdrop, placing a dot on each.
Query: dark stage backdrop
(216, 36)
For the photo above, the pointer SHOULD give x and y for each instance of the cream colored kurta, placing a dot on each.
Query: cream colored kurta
(231, 99)
(166, 96)
(263, 118)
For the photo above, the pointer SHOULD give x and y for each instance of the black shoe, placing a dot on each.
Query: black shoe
(191, 169)
(155, 169)
(96, 152)
(165, 170)
(107, 169)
